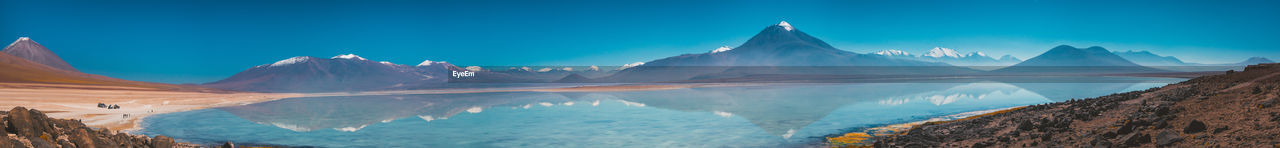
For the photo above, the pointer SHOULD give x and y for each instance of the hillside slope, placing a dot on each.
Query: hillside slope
(19, 70)
(1237, 109)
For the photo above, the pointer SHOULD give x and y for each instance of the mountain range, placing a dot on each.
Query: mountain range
(1147, 58)
(1066, 59)
(771, 51)
(339, 73)
(777, 52)
(953, 57)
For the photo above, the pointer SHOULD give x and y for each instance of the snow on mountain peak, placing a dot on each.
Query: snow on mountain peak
(23, 38)
(721, 49)
(348, 56)
(630, 65)
(786, 25)
(938, 52)
(977, 54)
(292, 60)
(429, 62)
(892, 52)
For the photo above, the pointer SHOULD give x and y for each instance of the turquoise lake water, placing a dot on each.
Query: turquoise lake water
(772, 115)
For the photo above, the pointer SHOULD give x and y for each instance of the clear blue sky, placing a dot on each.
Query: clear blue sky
(197, 41)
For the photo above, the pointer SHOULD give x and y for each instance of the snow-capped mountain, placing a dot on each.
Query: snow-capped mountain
(625, 66)
(939, 52)
(893, 53)
(721, 49)
(783, 45)
(953, 57)
(28, 49)
(26, 69)
(347, 72)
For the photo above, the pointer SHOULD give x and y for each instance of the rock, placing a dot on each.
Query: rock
(1127, 128)
(1026, 125)
(65, 143)
(228, 144)
(82, 138)
(983, 144)
(1221, 129)
(1135, 139)
(22, 124)
(1267, 103)
(162, 142)
(1109, 135)
(1166, 138)
(1194, 127)
(1100, 142)
(1162, 124)
(32, 128)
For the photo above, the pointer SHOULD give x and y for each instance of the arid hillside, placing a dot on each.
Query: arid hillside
(1236, 109)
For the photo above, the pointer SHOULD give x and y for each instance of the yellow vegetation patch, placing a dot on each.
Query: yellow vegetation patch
(865, 138)
(854, 139)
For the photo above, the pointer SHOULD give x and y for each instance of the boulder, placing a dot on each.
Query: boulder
(1166, 138)
(22, 122)
(1221, 129)
(162, 142)
(1194, 127)
(228, 144)
(1135, 139)
(82, 138)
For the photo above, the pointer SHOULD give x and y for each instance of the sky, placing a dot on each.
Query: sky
(199, 41)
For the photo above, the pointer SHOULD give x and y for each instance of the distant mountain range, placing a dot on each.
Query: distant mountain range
(340, 73)
(953, 57)
(25, 61)
(1146, 58)
(778, 52)
(1071, 60)
(777, 46)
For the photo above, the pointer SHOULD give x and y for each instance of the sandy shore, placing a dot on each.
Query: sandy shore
(80, 102)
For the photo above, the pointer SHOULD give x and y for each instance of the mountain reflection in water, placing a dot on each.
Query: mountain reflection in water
(770, 115)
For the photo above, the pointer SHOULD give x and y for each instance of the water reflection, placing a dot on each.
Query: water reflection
(772, 115)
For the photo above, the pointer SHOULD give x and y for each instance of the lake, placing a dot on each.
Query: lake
(766, 115)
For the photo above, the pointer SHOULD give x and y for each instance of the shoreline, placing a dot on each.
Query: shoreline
(867, 136)
(67, 101)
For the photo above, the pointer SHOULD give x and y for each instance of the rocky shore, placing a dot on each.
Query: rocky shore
(31, 128)
(1236, 109)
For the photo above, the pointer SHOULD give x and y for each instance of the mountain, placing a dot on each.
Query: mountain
(339, 73)
(780, 45)
(28, 49)
(21, 70)
(1070, 60)
(953, 57)
(1254, 61)
(1009, 59)
(893, 53)
(1146, 58)
(783, 45)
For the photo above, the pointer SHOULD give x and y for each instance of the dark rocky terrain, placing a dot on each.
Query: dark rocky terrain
(31, 128)
(1236, 109)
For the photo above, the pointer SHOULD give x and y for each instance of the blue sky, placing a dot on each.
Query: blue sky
(197, 41)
